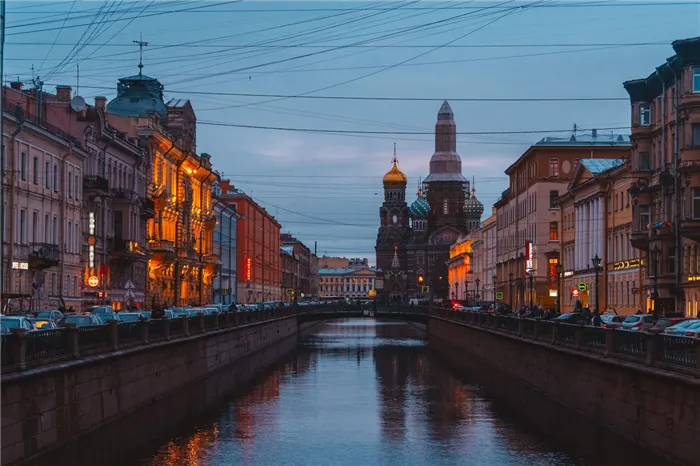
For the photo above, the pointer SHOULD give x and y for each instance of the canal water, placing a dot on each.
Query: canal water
(357, 392)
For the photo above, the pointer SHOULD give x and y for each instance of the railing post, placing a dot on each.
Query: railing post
(73, 345)
(216, 321)
(113, 335)
(654, 345)
(186, 326)
(555, 332)
(166, 328)
(536, 329)
(521, 327)
(200, 321)
(578, 336)
(143, 331)
(20, 348)
(611, 339)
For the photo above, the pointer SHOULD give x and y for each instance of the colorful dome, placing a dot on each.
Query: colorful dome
(420, 207)
(472, 206)
(395, 176)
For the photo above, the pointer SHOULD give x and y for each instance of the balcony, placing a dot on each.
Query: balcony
(95, 184)
(640, 239)
(148, 208)
(123, 195)
(690, 229)
(211, 259)
(162, 249)
(43, 255)
(125, 248)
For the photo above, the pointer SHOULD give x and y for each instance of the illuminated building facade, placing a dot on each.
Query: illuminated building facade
(181, 220)
(459, 270)
(258, 247)
(346, 282)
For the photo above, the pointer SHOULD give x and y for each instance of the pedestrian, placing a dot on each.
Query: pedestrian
(597, 321)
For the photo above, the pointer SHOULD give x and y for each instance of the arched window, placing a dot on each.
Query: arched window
(445, 206)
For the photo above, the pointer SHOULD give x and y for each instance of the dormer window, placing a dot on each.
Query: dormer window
(644, 114)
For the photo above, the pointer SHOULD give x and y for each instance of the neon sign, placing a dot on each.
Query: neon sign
(91, 240)
(248, 269)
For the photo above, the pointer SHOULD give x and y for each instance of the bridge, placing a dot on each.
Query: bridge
(418, 314)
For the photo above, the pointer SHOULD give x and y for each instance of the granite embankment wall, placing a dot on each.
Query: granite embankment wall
(47, 408)
(618, 412)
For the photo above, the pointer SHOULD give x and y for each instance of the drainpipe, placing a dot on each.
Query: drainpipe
(676, 190)
(11, 215)
(62, 222)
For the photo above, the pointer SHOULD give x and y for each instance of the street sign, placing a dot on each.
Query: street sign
(290, 292)
(575, 293)
(93, 281)
(582, 287)
(499, 295)
(425, 289)
(552, 279)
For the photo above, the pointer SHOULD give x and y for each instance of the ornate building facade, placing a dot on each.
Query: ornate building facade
(413, 243)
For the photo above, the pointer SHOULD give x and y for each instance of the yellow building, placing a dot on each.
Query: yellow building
(178, 204)
(459, 270)
(596, 215)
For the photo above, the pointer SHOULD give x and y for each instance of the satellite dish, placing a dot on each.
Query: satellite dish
(77, 103)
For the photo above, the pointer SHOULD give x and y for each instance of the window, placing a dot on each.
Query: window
(47, 176)
(553, 231)
(35, 170)
(35, 227)
(644, 217)
(69, 243)
(553, 195)
(55, 178)
(695, 206)
(22, 226)
(644, 161)
(644, 114)
(54, 230)
(70, 185)
(75, 186)
(47, 230)
(23, 166)
(696, 79)
(553, 168)
(696, 135)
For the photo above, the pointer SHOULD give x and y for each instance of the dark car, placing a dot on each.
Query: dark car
(81, 320)
(572, 318)
(664, 322)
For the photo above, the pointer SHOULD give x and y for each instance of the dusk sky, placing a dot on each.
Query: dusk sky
(324, 186)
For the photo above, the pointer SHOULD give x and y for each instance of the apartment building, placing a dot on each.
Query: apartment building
(528, 224)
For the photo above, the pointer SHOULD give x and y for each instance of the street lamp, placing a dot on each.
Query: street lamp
(494, 277)
(531, 273)
(477, 281)
(456, 290)
(596, 266)
(655, 268)
(510, 291)
(558, 288)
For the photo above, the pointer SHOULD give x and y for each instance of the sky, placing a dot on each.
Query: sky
(259, 75)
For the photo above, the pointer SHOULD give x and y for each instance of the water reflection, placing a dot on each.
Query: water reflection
(359, 392)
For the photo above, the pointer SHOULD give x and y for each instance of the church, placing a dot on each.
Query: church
(413, 242)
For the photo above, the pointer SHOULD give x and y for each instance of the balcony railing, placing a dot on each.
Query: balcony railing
(125, 246)
(95, 183)
(43, 255)
(161, 245)
(121, 194)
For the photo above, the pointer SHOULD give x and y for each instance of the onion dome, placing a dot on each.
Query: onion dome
(420, 207)
(395, 176)
(472, 206)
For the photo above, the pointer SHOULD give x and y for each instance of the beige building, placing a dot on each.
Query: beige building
(42, 211)
(478, 283)
(527, 214)
(348, 282)
(596, 219)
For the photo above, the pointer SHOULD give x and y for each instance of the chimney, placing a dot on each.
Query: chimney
(225, 185)
(594, 133)
(16, 85)
(63, 93)
(100, 102)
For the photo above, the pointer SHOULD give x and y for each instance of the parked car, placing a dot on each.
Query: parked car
(664, 322)
(17, 322)
(639, 322)
(106, 313)
(131, 316)
(53, 314)
(3, 329)
(693, 330)
(43, 324)
(572, 318)
(611, 320)
(681, 327)
(81, 320)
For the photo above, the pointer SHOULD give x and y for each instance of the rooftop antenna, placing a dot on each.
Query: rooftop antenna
(141, 45)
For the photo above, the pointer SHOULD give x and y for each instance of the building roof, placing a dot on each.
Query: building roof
(344, 271)
(595, 138)
(138, 95)
(598, 166)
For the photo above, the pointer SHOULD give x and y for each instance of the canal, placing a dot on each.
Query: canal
(357, 392)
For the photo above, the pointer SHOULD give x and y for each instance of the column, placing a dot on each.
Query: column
(577, 235)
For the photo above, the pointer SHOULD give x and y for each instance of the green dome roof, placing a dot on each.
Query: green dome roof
(420, 207)
(138, 95)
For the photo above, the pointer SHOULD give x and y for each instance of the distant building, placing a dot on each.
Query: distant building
(527, 214)
(289, 266)
(258, 236)
(326, 262)
(304, 255)
(225, 247)
(472, 264)
(346, 282)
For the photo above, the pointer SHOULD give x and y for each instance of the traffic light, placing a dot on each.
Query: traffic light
(420, 278)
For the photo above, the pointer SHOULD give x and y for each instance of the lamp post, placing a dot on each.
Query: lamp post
(456, 290)
(494, 277)
(558, 288)
(466, 289)
(510, 290)
(655, 269)
(596, 266)
(531, 273)
(477, 281)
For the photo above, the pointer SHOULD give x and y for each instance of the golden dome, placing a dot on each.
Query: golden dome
(395, 176)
